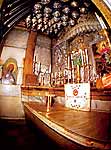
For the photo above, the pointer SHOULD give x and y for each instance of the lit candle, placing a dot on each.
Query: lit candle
(68, 63)
(73, 75)
(81, 57)
(50, 69)
(39, 66)
(55, 74)
(71, 57)
(86, 56)
(59, 74)
(72, 61)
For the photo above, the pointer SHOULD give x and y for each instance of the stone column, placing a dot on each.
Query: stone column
(28, 62)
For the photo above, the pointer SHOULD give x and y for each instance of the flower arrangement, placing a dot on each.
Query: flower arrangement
(77, 59)
(104, 57)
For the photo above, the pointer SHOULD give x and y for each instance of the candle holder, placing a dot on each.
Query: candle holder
(73, 74)
(87, 73)
(78, 74)
(82, 73)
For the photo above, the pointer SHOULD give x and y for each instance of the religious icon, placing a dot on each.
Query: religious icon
(9, 72)
(8, 76)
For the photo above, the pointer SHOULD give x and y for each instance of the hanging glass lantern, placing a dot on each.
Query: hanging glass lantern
(34, 20)
(47, 10)
(46, 15)
(45, 1)
(51, 30)
(39, 26)
(50, 15)
(39, 20)
(42, 29)
(44, 22)
(72, 22)
(64, 23)
(87, 4)
(37, 11)
(37, 6)
(47, 31)
(45, 26)
(45, 19)
(49, 23)
(54, 26)
(28, 21)
(59, 24)
(56, 19)
(56, 14)
(83, 10)
(75, 14)
(55, 30)
(66, 10)
(52, 21)
(64, 18)
(38, 16)
(56, 5)
(74, 4)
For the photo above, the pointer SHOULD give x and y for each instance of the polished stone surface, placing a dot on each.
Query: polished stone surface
(87, 128)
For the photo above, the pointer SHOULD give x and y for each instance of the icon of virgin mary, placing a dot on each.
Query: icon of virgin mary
(8, 76)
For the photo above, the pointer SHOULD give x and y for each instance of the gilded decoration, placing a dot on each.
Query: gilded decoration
(104, 10)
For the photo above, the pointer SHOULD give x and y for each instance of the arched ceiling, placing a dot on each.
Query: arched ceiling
(106, 12)
(1, 1)
(48, 16)
(12, 11)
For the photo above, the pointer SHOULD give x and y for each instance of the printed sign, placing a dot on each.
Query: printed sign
(77, 96)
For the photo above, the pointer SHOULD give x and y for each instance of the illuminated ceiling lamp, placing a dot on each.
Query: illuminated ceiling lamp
(45, 1)
(75, 4)
(51, 16)
(56, 5)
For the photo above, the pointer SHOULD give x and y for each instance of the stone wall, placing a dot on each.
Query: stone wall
(43, 51)
(10, 95)
(10, 102)
(14, 47)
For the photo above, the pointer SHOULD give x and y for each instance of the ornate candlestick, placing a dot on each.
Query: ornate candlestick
(87, 67)
(69, 68)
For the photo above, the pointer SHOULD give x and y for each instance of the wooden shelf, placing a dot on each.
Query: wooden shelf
(42, 91)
